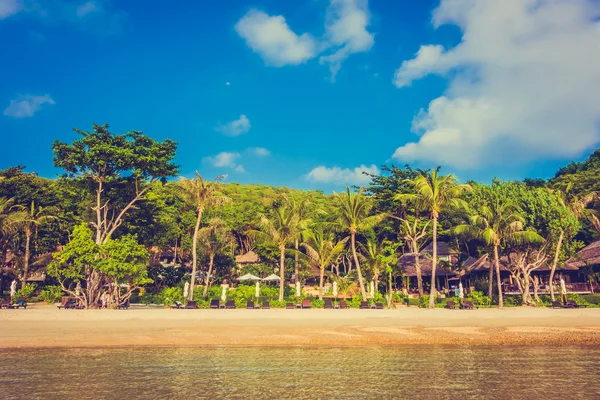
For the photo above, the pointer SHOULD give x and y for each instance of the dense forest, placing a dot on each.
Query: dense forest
(119, 219)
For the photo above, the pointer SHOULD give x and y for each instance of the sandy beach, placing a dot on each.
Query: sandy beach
(46, 326)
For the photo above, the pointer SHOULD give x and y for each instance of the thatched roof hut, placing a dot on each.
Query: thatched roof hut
(248, 258)
(407, 264)
(589, 255)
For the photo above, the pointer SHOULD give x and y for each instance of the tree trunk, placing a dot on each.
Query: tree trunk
(415, 250)
(376, 280)
(211, 259)
(321, 275)
(99, 213)
(281, 271)
(27, 256)
(491, 283)
(360, 278)
(296, 260)
(554, 263)
(497, 262)
(194, 254)
(432, 292)
(389, 290)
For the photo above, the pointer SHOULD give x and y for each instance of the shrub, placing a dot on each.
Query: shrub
(25, 292)
(512, 301)
(277, 303)
(317, 303)
(479, 299)
(51, 294)
(168, 296)
(577, 299)
(591, 298)
(424, 301)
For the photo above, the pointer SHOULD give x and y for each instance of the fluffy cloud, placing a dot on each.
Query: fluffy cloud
(346, 33)
(27, 105)
(339, 176)
(225, 160)
(86, 8)
(259, 151)
(9, 7)
(524, 84)
(235, 128)
(272, 38)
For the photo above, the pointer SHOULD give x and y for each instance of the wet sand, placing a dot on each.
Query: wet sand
(46, 326)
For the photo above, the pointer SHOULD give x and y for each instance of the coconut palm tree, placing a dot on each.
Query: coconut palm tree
(302, 207)
(28, 219)
(282, 229)
(322, 250)
(498, 223)
(215, 239)
(434, 193)
(353, 209)
(201, 194)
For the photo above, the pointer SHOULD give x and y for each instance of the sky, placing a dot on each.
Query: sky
(308, 93)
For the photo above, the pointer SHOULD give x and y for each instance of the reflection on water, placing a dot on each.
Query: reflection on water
(434, 372)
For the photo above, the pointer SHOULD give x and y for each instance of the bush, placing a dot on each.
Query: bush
(51, 294)
(277, 303)
(591, 298)
(25, 292)
(168, 296)
(580, 300)
(479, 299)
(512, 301)
(317, 303)
(424, 301)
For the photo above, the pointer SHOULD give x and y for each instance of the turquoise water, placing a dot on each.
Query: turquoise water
(399, 372)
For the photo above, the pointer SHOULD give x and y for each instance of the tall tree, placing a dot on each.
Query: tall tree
(322, 250)
(353, 216)
(28, 219)
(200, 194)
(131, 162)
(435, 193)
(498, 223)
(215, 239)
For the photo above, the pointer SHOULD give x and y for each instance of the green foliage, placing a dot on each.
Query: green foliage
(170, 295)
(25, 292)
(513, 301)
(479, 299)
(591, 299)
(51, 294)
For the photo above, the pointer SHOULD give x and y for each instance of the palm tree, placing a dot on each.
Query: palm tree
(498, 223)
(435, 193)
(577, 206)
(215, 239)
(322, 251)
(305, 212)
(353, 211)
(201, 195)
(28, 219)
(372, 253)
(282, 229)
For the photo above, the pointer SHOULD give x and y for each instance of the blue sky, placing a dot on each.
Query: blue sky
(308, 93)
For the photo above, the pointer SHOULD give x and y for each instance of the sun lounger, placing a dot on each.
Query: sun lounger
(328, 303)
(177, 305)
(191, 305)
(572, 304)
(266, 305)
(343, 304)
(250, 305)
(230, 304)
(21, 302)
(289, 306)
(451, 305)
(467, 305)
(306, 303)
(364, 304)
(379, 306)
(556, 304)
(6, 304)
(214, 303)
(124, 305)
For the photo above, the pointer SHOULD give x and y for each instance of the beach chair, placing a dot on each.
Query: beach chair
(328, 303)
(571, 304)
(214, 303)
(177, 305)
(451, 305)
(191, 305)
(289, 306)
(124, 305)
(6, 304)
(379, 306)
(250, 305)
(21, 302)
(230, 305)
(467, 305)
(266, 305)
(343, 304)
(364, 305)
(556, 304)
(306, 303)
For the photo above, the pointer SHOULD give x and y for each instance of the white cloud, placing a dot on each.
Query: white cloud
(524, 84)
(227, 83)
(84, 9)
(26, 105)
(339, 176)
(235, 128)
(9, 8)
(273, 40)
(225, 160)
(346, 32)
(259, 151)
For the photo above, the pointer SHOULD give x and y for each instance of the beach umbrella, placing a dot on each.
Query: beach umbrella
(224, 293)
(248, 277)
(461, 294)
(372, 292)
(13, 288)
(335, 289)
(257, 292)
(186, 289)
(298, 289)
(271, 277)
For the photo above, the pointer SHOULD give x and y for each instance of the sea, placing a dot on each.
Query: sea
(322, 372)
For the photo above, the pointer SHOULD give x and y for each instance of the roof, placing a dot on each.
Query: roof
(443, 249)
(589, 255)
(407, 264)
(248, 258)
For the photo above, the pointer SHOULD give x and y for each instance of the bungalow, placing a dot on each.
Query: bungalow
(444, 272)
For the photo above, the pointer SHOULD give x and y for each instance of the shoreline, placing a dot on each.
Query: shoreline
(47, 327)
